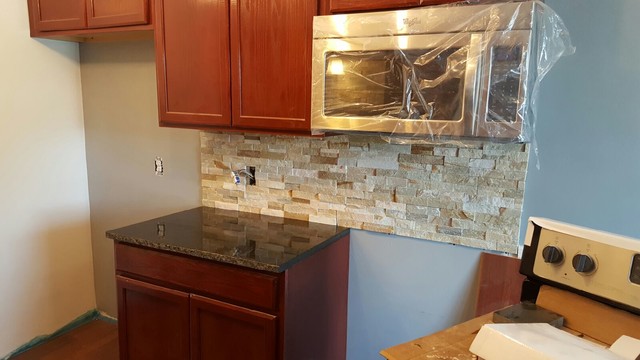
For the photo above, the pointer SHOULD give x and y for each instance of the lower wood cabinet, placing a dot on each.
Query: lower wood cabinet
(153, 321)
(224, 331)
(173, 306)
(161, 323)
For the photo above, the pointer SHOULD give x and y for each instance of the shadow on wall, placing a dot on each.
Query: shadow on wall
(60, 47)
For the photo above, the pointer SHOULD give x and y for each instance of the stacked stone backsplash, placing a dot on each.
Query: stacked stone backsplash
(470, 195)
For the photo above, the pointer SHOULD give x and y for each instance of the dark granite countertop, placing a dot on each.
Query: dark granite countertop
(251, 240)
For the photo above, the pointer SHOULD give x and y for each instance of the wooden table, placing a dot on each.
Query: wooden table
(586, 318)
(451, 343)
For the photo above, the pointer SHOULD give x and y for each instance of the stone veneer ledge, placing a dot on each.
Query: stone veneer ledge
(468, 195)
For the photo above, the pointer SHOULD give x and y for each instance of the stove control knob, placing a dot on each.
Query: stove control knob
(552, 255)
(583, 263)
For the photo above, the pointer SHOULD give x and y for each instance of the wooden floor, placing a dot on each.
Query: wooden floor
(97, 340)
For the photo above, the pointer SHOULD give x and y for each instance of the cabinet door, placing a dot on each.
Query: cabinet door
(223, 331)
(271, 63)
(153, 321)
(192, 62)
(108, 13)
(49, 15)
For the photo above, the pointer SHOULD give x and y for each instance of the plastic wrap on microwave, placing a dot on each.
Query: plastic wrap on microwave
(435, 74)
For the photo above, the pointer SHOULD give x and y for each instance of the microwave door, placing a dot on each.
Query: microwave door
(505, 73)
(417, 84)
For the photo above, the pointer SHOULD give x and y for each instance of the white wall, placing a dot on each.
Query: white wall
(46, 274)
(123, 139)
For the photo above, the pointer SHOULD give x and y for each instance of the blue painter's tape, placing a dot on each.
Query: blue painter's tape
(79, 321)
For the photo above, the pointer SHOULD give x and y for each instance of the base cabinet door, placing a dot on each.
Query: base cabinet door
(228, 332)
(153, 321)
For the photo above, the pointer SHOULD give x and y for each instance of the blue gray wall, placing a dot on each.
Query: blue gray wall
(403, 288)
(588, 135)
(588, 129)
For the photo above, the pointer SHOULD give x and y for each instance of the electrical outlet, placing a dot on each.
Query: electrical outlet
(252, 178)
(159, 166)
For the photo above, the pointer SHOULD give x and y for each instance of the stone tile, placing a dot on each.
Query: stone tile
(448, 230)
(395, 214)
(445, 151)
(296, 216)
(322, 205)
(470, 153)
(470, 194)
(379, 196)
(386, 229)
(323, 219)
(420, 159)
(356, 202)
(349, 223)
(388, 205)
(422, 149)
(225, 206)
(482, 163)
(378, 162)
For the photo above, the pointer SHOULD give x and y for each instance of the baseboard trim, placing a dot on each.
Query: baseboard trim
(79, 321)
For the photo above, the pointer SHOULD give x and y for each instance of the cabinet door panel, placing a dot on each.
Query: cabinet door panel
(223, 331)
(153, 322)
(192, 62)
(106, 13)
(50, 15)
(271, 63)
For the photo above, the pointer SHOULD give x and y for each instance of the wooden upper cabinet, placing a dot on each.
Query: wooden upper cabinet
(235, 64)
(345, 6)
(192, 62)
(79, 20)
(51, 15)
(271, 42)
(107, 13)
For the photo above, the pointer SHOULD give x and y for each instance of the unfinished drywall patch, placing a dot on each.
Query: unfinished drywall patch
(469, 195)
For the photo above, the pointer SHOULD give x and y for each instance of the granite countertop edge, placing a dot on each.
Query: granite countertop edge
(228, 259)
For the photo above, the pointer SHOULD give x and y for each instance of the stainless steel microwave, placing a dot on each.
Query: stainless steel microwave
(447, 71)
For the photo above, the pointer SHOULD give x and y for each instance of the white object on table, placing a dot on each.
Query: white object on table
(535, 342)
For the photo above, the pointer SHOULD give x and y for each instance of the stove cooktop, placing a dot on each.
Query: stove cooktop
(592, 263)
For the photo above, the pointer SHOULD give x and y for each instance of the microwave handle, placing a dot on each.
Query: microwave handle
(474, 89)
(409, 85)
(407, 92)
